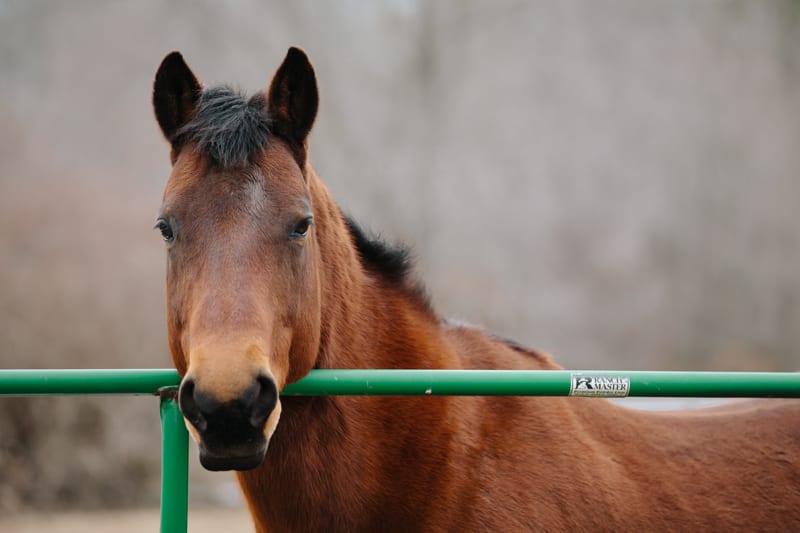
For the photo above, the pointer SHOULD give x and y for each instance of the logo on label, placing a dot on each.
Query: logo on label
(596, 385)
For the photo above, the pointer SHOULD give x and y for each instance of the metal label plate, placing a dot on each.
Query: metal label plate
(599, 385)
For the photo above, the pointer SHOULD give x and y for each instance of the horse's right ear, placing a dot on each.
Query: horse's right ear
(175, 94)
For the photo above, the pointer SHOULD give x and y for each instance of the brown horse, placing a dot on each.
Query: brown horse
(266, 280)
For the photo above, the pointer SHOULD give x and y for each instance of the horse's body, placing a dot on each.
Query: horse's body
(520, 463)
(267, 279)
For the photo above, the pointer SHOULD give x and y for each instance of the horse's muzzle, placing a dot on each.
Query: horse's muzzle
(217, 463)
(231, 434)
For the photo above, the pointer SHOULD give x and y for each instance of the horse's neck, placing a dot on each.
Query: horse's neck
(318, 447)
(323, 468)
(366, 321)
(378, 326)
(326, 464)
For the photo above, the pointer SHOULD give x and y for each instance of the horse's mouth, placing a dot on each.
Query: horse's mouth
(245, 454)
(220, 462)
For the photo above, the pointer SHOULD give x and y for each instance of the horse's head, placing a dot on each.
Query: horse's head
(243, 297)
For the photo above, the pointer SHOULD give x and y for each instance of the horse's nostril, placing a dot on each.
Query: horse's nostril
(188, 404)
(263, 401)
(205, 413)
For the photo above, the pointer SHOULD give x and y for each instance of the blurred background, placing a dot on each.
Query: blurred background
(615, 182)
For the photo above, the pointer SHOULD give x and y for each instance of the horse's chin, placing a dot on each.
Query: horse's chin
(217, 462)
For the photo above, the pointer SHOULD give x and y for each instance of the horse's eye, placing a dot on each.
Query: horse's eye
(166, 230)
(302, 227)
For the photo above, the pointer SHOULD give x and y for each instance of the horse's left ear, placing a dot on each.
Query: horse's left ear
(293, 97)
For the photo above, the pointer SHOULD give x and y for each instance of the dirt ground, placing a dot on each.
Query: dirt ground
(201, 520)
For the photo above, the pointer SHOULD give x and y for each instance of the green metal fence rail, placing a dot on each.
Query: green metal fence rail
(174, 455)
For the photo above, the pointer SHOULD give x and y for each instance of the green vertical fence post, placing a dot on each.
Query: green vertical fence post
(174, 464)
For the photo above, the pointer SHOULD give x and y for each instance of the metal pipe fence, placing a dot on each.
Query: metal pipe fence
(174, 453)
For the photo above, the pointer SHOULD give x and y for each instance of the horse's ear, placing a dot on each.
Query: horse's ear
(293, 97)
(175, 94)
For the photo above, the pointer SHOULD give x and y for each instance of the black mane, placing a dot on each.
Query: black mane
(391, 262)
(226, 126)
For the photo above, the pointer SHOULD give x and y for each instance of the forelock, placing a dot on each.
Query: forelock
(227, 126)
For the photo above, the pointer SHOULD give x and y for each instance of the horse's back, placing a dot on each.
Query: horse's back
(571, 463)
(585, 463)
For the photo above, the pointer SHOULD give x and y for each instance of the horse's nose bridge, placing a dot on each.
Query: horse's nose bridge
(230, 285)
(229, 303)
